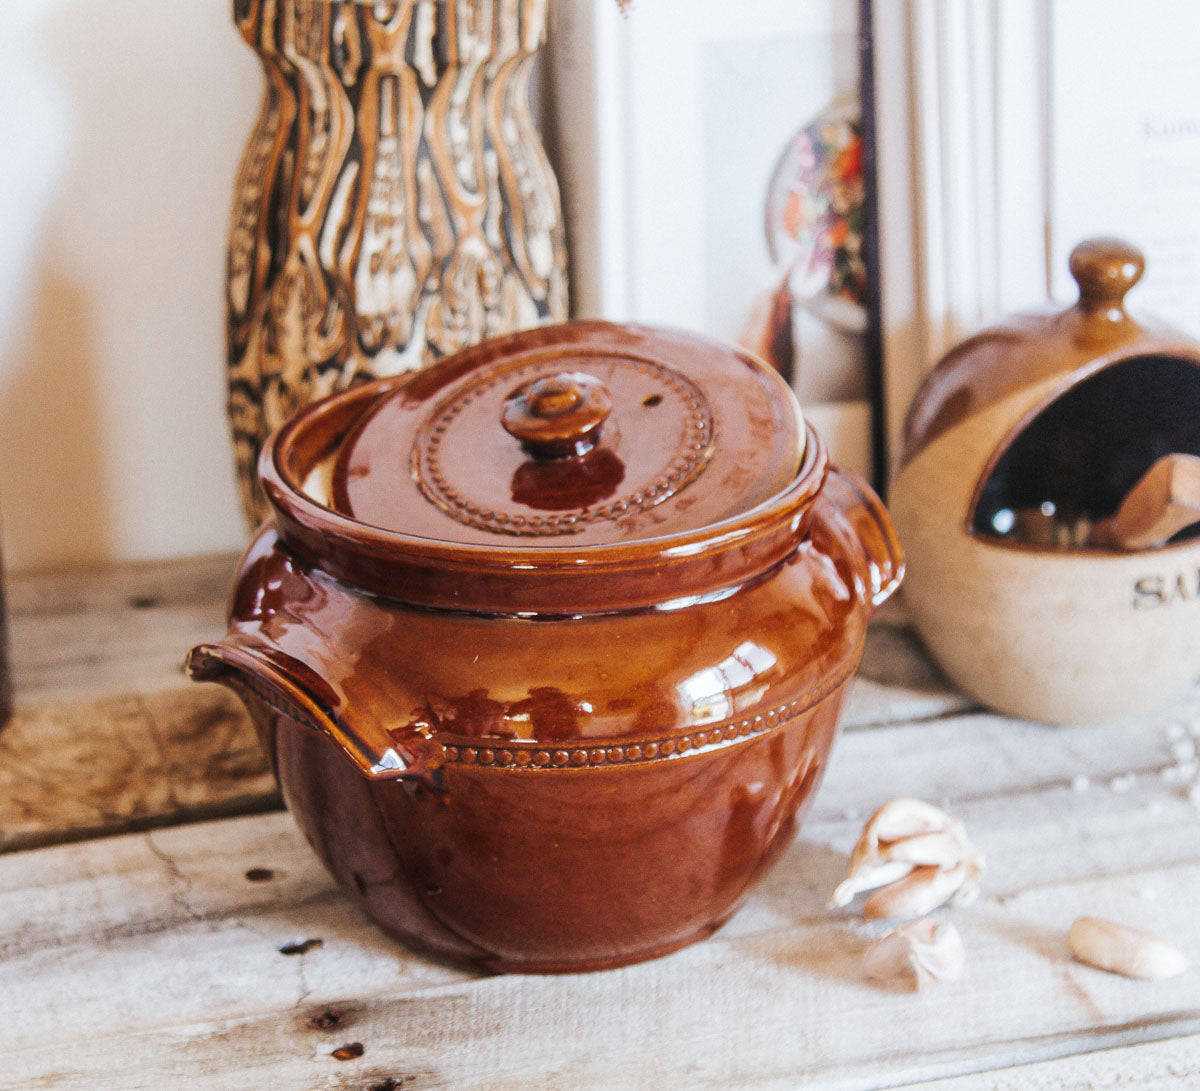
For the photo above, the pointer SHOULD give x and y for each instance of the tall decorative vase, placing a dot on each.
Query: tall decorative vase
(394, 203)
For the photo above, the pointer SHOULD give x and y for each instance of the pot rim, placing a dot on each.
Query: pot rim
(653, 573)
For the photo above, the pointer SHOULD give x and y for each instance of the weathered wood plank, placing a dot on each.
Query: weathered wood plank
(107, 735)
(896, 681)
(76, 769)
(1174, 1063)
(114, 630)
(746, 1009)
(169, 953)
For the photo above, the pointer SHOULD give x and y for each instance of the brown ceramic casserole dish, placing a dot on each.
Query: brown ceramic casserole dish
(548, 643)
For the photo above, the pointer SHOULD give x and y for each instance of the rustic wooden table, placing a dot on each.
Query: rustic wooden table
(163, 924)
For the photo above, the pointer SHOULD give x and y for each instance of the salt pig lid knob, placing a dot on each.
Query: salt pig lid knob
(1106, 269)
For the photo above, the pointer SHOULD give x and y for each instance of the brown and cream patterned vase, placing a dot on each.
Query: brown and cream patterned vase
(394, 203)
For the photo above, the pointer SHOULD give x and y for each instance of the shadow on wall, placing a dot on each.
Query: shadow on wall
(51, 486)
(54, 488)
(131, 116)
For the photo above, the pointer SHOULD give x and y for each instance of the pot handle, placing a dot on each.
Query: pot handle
(292, 688)
(871, 528)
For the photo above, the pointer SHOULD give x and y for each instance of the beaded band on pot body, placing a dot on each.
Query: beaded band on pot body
(534, 756)
(719, 736)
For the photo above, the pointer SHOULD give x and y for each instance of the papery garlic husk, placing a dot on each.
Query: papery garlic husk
(1123, 950)
(923, 952)
(918, 893)
(918, 854)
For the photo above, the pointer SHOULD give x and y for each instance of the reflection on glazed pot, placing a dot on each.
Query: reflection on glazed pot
(568, 868)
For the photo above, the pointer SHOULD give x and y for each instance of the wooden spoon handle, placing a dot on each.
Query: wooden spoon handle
(1159, 506)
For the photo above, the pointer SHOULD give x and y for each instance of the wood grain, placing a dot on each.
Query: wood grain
(1156, 1064)
(107, 736)
(170, 953)
(896, 680)
(114, 630)
(76, 769)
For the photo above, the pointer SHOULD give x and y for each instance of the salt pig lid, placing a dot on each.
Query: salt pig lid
(560, 468)
(1024, 350)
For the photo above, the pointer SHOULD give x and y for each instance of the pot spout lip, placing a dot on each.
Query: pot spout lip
(516, 579)
(293, 689)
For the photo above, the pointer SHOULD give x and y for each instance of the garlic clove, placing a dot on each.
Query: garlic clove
(967, 892)
(895, 820)
(1124, 950)
(904, 817)
(867, 878)
(917, 854)
(918, 893)
(922, 951)
(944, 848)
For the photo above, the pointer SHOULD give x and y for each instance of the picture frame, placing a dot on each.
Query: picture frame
(667, 131)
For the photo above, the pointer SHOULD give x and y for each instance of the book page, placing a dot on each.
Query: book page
(1125, 143)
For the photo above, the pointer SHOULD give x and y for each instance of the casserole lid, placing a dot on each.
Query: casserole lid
(582, 434)
(561, 470)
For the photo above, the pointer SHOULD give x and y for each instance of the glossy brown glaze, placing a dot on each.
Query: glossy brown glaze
(539, 757)
(1023, 350)
(558, 416)
(355, 493)
(559, 869)
(701, 432)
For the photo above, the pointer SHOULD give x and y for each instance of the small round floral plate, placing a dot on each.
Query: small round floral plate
(815, 216)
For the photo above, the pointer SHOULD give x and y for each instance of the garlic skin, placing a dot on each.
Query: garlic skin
(916, 857)
(919, 892)
(1123, 950)
(923, 952)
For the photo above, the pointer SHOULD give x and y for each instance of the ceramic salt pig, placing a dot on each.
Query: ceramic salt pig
(548, 643)
(1049, 505)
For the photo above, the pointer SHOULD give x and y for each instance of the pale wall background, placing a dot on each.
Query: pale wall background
(122, 123)
(120, 132)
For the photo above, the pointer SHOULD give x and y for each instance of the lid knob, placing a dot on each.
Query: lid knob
(1105, 269)
(557, 416)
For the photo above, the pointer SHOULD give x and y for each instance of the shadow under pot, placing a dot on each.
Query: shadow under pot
(548, 643)
(1049, 504)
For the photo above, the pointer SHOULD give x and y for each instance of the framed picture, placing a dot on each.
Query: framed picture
(711, 164)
